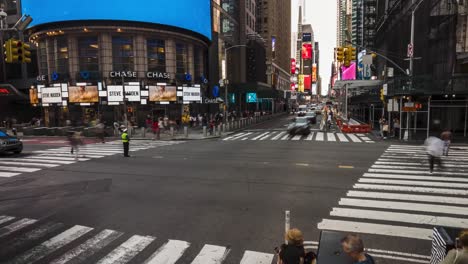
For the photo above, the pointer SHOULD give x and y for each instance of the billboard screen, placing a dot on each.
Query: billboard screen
(306, 37)
(181, 13)
(306, 51)
(314, 72)
(162, 93)
(251, 97)
(51, 95)
(293, 66)
(307, 82)
(33, 96)
(349, 73)
(191, 94)
(83, 94)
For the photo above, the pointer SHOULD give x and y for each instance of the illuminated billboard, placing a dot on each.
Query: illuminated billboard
(33, 96)
(162, 93)
(307, 82)
(194, 15)
(83, 94)
(306, 51)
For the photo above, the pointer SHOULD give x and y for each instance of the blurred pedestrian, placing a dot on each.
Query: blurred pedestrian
(446, 136)
(156, 130)
(354, 247)
(100, 127)
(385, 129)
(435, 149)
(75, 140)
(381, 123)
(396, 127)
(458, 255)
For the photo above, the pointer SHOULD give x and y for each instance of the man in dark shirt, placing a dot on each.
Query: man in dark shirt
(354, 247)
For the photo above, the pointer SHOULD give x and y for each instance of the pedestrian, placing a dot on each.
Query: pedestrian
(156, 130)
(385, 129)
(293, 251)
(458, 255)
(446, 136)
(166, 122)
(75, 141)
(148, 124)
(396, 127)
(126, 142)
(354, 247)
(435, 148)
(100, 131)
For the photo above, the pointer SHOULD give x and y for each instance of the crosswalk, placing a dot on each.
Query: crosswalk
(313, 136)
(54, 157)
(26, 240)
(398, 197)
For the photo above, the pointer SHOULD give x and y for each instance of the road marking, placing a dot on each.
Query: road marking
(354, 138)
(376, 229)
(261, 135)
(27, 159)
(89, 247)
(302, 164)
(426, 178)
(331, 137)
(18, 169)
(28, 164)
(127, 250)
(310, 136)
(409, 197)
(399, 258)
(37, 233)
(430, 220)
(5, 218)
(345, 167)
(410, 189)
(56, 158)
(366, 139)
(169, 253)
(419, 164)
(245, 136)
(252, 257)
(67, 153)
(52, 244)
(278, 136)
(234, 136)
(425, 172)
(286, 137)
(8, 174)
(420, 207)
(211, 254)
(414, 183)
(380, 166)
(297, 137)
(342, 137)
(320, 136)
(267, 136)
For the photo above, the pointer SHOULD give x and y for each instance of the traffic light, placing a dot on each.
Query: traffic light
(340, 54)
(382, 96)
(13, 51)
(347, 59)
(7, 51)
(26, 51)
(352, 53)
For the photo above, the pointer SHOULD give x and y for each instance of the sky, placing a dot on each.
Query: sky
(321, 14)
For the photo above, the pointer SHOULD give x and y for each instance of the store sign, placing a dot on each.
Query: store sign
(132, 93)
(120, 74)
(51, 95)
(115, 93)
(191, 94)
(158, 75)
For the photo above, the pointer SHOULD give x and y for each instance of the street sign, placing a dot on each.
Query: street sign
(385, 89)
(410, 50)
(393, 105)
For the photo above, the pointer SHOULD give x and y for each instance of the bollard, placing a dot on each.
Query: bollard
(224, 128)
(287, 223)
(144, 132)
(172, 131)
(186, 131)
(219, 130)
(204, 131)
(228, 127)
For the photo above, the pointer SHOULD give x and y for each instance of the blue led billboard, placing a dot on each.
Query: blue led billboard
(194, 15)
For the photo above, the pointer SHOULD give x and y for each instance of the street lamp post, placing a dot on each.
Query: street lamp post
(226, 102)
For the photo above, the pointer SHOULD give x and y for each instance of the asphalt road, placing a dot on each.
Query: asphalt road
(228, 193)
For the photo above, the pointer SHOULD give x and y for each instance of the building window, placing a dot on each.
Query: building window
(181, 58)
(42, 51)
(156, 55)
(198, 61)
(88, 54)
(122, 53)
(58, 55)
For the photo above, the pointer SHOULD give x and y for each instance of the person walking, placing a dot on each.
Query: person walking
(100, 131)
(293, 251)
(446, 136)
(385, 129)
(354, 247)
(458, 255)
(156, 130)
(381, 123)
(434, 148)
(75, 142)
(396, 127)
(126, 142)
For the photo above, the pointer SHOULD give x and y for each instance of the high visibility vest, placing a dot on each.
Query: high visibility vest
(125, 137)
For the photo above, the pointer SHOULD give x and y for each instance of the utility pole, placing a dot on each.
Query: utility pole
(226, 81)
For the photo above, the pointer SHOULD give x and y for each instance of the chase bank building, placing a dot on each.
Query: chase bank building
(110, 42)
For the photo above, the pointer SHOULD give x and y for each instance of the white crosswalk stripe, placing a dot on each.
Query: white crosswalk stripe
(59, 244)
(51, 158)
(313, 136)
(398, 196)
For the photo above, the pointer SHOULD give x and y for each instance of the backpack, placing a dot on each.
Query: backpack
(310, 257)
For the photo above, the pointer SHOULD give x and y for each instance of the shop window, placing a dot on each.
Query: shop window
(156, 55)
(88, 54)
(123, 56)
(181, 58)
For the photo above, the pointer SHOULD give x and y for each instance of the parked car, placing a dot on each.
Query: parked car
(311, 117)
(300, 126)
(10, 144)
